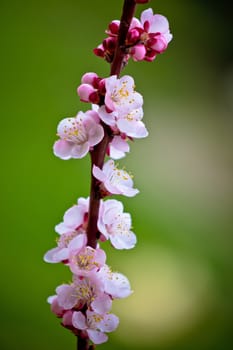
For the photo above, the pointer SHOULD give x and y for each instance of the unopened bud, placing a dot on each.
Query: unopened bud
(113, 27)
(138, 52)
(84, 92)
(133, 36)
(89, 78)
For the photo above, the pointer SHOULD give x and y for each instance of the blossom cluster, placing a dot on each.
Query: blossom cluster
(84, 305)
(146, 38)
(120, 109)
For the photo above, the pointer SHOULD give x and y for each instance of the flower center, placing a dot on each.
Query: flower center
(75, 132)
(65, 239)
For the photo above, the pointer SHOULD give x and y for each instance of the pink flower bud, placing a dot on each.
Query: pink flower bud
(113, 27)
(133, 36)
(88, 78)
(84, 92)
(94, 97)
(138, 52)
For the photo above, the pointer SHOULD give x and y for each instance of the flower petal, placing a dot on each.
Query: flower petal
(79, 151)
(96, 336)
(102, 304)
(73, 217)
(123, 241)
(160, 24)
(98, 173)
(62, 149)
(109, 323)
(79, 320)
(117, 285)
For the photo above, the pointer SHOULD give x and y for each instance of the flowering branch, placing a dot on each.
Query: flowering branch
(99, 152)
(106, 130)
(126, 18)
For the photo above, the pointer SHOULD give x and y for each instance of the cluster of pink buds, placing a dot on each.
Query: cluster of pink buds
(146, 38)
(105, 130)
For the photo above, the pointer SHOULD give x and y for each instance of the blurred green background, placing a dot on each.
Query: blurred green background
(181, 269)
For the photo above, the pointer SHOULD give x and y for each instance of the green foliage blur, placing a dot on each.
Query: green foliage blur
(181, 269)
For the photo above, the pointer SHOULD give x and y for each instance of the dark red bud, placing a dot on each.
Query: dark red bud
(113, 28)
(101, 87)
(98, 52)
(95, 83)
(109, 43)
(94, 97)
(133, 36)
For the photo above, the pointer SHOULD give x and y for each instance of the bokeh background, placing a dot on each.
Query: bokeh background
(181, 269)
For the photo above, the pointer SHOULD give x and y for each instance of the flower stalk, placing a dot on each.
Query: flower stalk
(106, 130)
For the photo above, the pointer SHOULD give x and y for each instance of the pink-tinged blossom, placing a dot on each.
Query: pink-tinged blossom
(66, 244)
(102, 303)
(114, 180)
(78, 135)
(74, 224)
(115, 225)
(131, 125)
(123, 108)
(156, 24)
(61, 252)
(155, 34)
(115, 284)
(74, 295)
(75, 217)
(85, 261)
(127, 123)
(85, 291)
(95, 324)
(120, 94)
